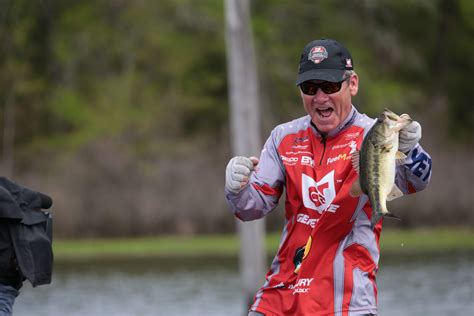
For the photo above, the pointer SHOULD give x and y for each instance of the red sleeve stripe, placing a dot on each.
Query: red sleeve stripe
(267, 190)
(411, 188)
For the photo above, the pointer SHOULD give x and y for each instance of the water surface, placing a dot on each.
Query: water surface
(436, 285)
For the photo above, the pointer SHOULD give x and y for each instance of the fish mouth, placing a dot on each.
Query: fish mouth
(391, 115)
(403, 119)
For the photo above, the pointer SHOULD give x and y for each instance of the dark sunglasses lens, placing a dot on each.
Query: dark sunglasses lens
(309, 88)
(330, 87)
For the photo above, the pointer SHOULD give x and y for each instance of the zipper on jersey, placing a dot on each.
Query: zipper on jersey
(323, 141)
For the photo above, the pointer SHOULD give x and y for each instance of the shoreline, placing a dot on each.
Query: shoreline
(392, 242)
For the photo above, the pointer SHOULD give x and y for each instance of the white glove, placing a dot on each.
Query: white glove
(409, 136)
(237, 173)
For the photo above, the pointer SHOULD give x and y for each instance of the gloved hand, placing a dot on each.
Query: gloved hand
(409, 136)
(238, 171)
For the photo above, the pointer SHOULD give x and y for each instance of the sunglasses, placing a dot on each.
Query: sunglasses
(328, 87)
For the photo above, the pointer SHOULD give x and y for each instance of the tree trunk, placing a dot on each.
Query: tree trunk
(245, 130)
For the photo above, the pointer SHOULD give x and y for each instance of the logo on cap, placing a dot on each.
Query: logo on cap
(348, 63)
(317, 54)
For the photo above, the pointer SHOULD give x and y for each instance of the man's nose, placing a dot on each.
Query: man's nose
(320, 96)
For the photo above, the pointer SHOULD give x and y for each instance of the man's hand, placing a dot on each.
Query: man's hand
(238, 171)
(409, 136)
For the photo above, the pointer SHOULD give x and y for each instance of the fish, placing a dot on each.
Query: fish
(376, 163)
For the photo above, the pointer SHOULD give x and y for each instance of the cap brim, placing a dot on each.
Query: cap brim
(332, 75)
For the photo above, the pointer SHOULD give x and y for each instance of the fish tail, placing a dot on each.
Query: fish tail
(376, 216)
(375, 219)
(391, 215)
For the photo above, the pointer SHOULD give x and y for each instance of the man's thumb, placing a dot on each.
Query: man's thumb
(254, 160)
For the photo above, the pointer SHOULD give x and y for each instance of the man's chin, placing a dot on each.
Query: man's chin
(324, 125)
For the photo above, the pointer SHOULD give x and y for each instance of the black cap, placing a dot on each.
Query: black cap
(324, 59)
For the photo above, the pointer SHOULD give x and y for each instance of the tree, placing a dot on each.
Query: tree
(245, 124)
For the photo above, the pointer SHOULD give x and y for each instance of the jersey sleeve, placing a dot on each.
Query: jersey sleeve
(415, 174)
(265, 187)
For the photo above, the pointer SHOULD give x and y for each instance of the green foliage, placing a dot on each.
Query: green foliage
(79, 71)
(119, 95)
(103, 68)
(389, 41)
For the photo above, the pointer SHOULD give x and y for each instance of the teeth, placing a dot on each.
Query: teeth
(324, 112)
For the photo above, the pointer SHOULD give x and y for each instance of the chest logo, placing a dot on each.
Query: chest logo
(318, 195)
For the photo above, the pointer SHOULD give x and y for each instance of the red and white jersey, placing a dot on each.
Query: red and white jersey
(328, 254)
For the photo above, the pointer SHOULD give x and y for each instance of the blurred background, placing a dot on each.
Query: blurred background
(119, 109)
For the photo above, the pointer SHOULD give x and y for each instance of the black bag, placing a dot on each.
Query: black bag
(30, 233)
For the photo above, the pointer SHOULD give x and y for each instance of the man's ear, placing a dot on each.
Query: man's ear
(354, 84)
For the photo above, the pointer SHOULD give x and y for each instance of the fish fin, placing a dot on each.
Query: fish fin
(395, 193)
(391, 215)
(376, 218)
(355, 156)
(400, 158)
(386, 148)
(400, 155)
(356, 189)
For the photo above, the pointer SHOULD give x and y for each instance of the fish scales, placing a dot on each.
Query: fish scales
(372, 163)
(377, 162)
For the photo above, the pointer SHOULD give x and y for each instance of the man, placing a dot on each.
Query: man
(25, 241)
(329, 253)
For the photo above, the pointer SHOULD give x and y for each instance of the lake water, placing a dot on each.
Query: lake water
(436, 285)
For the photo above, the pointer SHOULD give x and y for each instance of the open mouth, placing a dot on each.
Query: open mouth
(326, 112)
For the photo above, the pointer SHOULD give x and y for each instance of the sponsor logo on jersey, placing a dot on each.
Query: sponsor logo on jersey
(337, 158)
(302, 286)
(305, 219)
(300, 146)
(307, 161)
(289, 160)
(299, 140)
(318, 195)
(352, 144)
(299, 152)
(300, 254)
(350, 136)
(420, 165)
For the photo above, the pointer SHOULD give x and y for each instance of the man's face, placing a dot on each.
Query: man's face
(327, 111)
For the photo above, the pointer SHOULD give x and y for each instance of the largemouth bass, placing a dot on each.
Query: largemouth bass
(376, 162)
